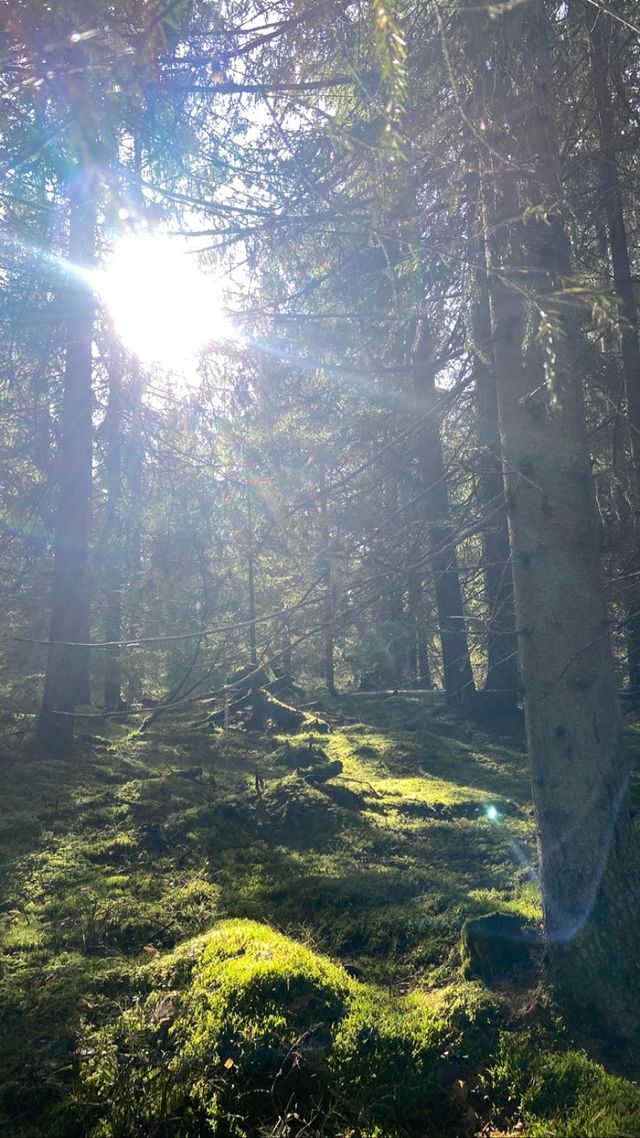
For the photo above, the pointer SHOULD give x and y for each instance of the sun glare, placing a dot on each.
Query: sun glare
(164, 308)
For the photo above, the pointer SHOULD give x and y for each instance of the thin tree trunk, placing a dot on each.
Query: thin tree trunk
(417, 633)
(612, 203)
(398, 647)
(134, 463)
(113, 553)
(502, 647)
(66, 679)
(458, 676)
(393, 604)
(286, 651)
(329, 605)
(251, 588)
(588, 853)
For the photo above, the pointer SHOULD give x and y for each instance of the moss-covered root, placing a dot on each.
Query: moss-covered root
(248, 1032)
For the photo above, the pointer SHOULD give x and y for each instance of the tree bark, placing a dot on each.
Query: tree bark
(329, 589)
(501, 640)
(458, 676)
(417, 632)
(588, 852)
(66, 679)
(113, 552)
(612, 204)
(251, 586)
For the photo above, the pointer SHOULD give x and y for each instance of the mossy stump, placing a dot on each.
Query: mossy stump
(494, 947)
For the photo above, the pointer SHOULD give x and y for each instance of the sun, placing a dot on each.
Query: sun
(164, 308)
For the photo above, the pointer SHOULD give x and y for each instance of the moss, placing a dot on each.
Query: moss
(561, 1093)
(122, 862)
(386, 1057)
(249, 1028)
(299, 815)
(473, 1016)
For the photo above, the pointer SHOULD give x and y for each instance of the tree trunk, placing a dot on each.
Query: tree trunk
(251, 586)
(588, 854)
(417, 632)
(502, 646)
(134, 465)
(395, 610)
(458, 676)
(66, 679)
(112, 557)
(600, 42)
(329, 585)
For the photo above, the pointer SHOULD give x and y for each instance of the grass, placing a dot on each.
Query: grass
(130, 872)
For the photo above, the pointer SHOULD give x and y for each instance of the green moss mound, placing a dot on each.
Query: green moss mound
(247, 1032)
(563, 1094)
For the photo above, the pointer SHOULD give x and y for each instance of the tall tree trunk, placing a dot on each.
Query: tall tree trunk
(393, 603)
(458, 676)
(588, 852)
(329, 587)
(398, 647)
(601, 40)
(66, 679)
(134, 466)
(251, 586)
(285, 652)
(417, 632)
(113, 551)
(502, 647)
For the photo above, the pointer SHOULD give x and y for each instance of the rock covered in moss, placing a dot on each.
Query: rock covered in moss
(494, 947)
(245, 1029)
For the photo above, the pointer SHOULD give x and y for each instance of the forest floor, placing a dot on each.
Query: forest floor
(197, 939)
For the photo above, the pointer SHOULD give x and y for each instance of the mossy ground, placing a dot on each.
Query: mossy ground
(122, 867)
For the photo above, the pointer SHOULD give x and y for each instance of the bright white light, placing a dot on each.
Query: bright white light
(165, 310)
(492, 814)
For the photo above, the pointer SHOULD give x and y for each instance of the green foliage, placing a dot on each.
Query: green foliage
(391, 52)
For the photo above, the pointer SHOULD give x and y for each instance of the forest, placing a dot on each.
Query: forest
(320, 568)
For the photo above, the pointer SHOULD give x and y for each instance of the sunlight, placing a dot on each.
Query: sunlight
(164, 308)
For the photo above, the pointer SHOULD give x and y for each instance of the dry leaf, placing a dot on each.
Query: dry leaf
(163, 1011)
(460, 1091)
(229, 1063)
(299, 1002)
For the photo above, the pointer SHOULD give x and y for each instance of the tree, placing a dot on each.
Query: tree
(458, 675)
(502, 648)
(67, 680)
(588, 853)
(603, 47)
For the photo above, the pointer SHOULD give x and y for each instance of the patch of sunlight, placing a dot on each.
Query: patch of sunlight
(526, 902)
(428, 789)
(21, 934)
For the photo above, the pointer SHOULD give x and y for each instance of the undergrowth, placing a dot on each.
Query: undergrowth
(131, 870)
